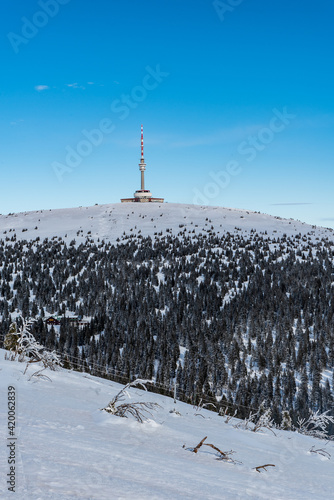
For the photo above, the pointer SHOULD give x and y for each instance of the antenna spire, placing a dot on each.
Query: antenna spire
(142, 143)
(142, 164)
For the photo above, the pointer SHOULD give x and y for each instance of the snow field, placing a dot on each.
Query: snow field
(68, 449)
(109, 222)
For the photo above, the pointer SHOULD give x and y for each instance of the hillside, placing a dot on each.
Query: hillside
(230, 306)
(67, 449)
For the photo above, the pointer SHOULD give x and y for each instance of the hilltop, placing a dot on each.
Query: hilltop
(110, 222)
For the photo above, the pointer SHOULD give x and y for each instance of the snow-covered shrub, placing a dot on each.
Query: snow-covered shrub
(286, 424)
(137, 409)
(24, 345)
(11, 340)
(316, 425)
(264, 421)
(201, 405)
(256, 421)
(225, 413)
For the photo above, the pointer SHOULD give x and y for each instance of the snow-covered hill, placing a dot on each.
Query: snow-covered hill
(109, 222)
(66, 448)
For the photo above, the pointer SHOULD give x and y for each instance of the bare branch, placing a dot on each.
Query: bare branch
(223, 455)
(195, 450)
(229, 417)
(263, 467)
(320, 451)
(137, 409)
(120, 395)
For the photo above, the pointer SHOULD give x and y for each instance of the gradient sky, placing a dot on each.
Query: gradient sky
(236, 99)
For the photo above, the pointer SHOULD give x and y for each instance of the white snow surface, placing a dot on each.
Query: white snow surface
(109, 222)
(68, 449)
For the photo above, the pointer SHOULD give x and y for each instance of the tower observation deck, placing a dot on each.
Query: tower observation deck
(142, 195)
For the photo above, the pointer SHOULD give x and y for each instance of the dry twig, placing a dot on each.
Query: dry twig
(215, 448)
(321, 451)
(195, 450)
(228, 417)
(263, 467)
(223, 455)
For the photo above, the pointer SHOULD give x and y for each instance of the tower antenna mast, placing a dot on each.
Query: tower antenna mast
(142, 143)
(142, 164)
(142, 195)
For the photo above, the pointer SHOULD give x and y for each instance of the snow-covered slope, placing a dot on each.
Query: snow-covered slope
(109, 222)
(67, 449)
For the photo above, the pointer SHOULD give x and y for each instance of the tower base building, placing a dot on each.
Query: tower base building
(142, 195)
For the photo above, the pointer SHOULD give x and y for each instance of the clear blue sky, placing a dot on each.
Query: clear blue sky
(236, 99)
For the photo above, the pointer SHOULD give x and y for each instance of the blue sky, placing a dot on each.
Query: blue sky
(236, 99)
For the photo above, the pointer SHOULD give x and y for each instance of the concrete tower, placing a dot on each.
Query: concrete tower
(142, 164)
(142, 195)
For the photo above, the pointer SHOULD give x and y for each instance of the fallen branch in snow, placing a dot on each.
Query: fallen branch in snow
(263, 467)
(223, 455)
(320, 451)
(215, 448)
(137, 409)
(195, 450)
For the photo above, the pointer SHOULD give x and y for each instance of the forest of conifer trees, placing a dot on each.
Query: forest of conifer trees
(246, 320)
